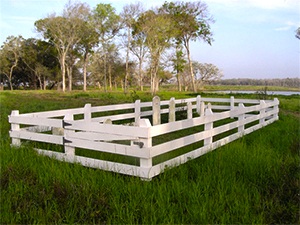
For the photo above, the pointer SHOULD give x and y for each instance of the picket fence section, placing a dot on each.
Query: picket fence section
(125, 130)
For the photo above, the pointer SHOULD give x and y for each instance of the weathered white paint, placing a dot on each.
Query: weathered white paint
(189, 110)
(241, 119)
(198, 105)
(208, 126)
(15, 127)
(88, 112)
(69, 150)
(23, 134)
(156, 111)
(172, 110)
(137, 112)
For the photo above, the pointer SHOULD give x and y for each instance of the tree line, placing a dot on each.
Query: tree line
(284, 82)
(83, 47)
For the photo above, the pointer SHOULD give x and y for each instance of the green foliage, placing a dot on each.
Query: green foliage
(106, 21)
(10, 53)
(254, 180)
(191, 20)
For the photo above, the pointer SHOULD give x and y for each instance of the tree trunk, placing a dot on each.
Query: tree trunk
(140, 75)
(127, 60)
(70, 76)
(178, 82)
(105, 82)
(11, 73)
(63, 71)
(190, 66)
(85, 62)
(44, 84)
(40, 82)
(151, 80)
(70, 79)
(10, 84)
(109, 76)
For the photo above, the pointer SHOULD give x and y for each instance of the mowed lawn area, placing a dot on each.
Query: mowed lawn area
(254, 179)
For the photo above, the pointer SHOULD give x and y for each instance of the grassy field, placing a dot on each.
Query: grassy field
(252, 180)
(237, 88)
(248, 88)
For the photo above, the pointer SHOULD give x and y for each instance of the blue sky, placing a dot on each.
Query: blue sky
(253, 38)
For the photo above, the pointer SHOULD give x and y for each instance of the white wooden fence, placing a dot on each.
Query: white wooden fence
(135, 146)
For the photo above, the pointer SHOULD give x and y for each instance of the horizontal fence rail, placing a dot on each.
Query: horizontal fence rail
(142, 138)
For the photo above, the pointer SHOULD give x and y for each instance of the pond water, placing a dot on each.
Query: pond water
(253, 92)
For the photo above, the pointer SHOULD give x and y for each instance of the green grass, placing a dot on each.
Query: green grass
(252, 180)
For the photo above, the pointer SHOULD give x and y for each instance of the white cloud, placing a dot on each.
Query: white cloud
(24, 19)
(288, 26)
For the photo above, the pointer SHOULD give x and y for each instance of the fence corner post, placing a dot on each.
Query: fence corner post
(262, 112)
(137, 112)
(15, 127)
(69, 150)
(156, 120)
(146, 163)
(241, 117)
(172, 115)
(208, 126)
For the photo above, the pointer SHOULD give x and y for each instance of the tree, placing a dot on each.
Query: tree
(89, 40)
(178, 64)
(64, 32)
(10, 54)
(129, 16)
(107, 25)
(70, 61)
(192, 22)
(139, 49)
(112, 56)
(158, 29)
(30, 57)
(206, 73)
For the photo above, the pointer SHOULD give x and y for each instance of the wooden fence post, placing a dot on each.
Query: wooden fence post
(198, 104)
(231, 102)
(147, 143)
(87, 112)
(208, 126)
(189, 110)
(241, 117)
(137, 112)
(262, 112)
(15, 127)
(172, 115)
(156, 111)
(202, 109)
(69, 151)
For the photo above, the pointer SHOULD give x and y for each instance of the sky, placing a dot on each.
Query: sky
(252, 38)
